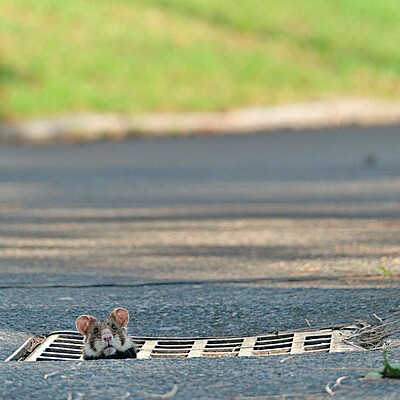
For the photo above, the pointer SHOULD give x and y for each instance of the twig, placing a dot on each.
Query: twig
(46, 376)
(339, 381)
(329, 390)
(167, 395)
(286, 359)
(125, 396)
(372, 337)
(378, 318)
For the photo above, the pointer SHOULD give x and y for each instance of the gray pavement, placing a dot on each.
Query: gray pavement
(331, 173)
(250, 378)
(200, 236)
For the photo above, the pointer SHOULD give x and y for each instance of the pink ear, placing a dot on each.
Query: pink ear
(121, 316)
(83, 323)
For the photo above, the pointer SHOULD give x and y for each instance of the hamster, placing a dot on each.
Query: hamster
(106, 339)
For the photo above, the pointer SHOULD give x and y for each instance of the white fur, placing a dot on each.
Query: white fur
(100, 347)
(88, 350)
(128, 344)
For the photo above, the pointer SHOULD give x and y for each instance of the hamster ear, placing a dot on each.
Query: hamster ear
(121, 316)
(83, 323)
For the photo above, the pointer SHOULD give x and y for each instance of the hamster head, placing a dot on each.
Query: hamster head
(104, 338)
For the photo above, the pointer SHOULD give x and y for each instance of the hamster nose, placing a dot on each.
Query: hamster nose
(107, 337)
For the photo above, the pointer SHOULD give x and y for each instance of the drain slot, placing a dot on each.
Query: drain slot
(49, 355)
(61, 345)
(321, 343)
(172, 349)
(222, 347)
(273, 344)
(68, 345)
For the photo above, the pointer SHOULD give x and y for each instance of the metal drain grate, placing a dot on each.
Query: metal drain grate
(68, 345)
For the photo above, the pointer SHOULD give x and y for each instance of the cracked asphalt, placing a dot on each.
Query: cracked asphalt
(201, 236)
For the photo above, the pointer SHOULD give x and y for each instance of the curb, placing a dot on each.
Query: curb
(92, 127)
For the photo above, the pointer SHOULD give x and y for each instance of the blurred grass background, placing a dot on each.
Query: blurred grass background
(189, 55)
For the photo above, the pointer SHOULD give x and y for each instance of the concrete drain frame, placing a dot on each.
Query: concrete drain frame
(68, 345)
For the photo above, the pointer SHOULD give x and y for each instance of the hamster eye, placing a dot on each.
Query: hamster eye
(96, 331)
(113, 326)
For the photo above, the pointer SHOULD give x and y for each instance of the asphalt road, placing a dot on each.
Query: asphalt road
(230, 235)
(350, 172)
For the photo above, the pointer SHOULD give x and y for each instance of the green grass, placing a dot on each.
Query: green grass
(188, 55)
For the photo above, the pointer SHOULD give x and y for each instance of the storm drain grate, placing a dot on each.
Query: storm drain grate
(68, 345)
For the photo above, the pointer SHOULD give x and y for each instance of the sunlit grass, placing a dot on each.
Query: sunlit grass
(179, 55)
